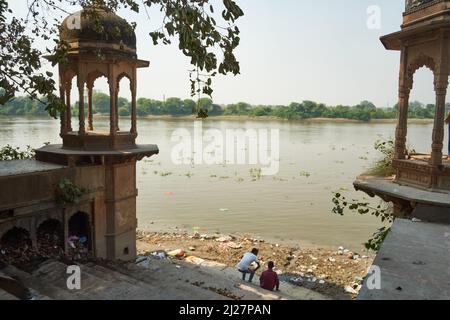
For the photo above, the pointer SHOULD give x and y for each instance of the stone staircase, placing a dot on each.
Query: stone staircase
(160, 280)
(97, 283)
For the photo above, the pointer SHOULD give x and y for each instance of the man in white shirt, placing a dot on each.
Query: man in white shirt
(245, 265)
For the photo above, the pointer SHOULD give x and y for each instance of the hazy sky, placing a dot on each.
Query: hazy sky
(291, 50)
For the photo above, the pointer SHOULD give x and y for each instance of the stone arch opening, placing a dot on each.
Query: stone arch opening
(421, 106)
(124, 99)
(79, 239)
(99, 103)
(15, 244)
(50, 238)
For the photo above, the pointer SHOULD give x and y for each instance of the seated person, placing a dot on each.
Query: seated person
(245, 265)
(269, 279)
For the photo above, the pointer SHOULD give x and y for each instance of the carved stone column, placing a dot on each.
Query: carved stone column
(68, 91)
(403, 104)
(112, 105)
(81, 116)
(133, 104)
(441, 84)
(90, 116)
(116, 98)
(63, 113)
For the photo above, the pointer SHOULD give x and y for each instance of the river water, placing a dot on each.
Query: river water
(292, 206)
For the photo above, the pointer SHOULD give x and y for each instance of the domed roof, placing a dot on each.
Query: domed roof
(95, 25)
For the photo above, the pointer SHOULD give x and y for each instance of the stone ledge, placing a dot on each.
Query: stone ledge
(414, 262)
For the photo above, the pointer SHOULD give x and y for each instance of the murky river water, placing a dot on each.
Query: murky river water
(294, 205)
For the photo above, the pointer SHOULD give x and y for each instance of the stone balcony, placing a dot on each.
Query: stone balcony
(421, 11)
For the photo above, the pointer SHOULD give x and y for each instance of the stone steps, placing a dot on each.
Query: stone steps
(6, 296)
(49, 281)
(169, 285)
(161, 280)
(95, 284)
(40, 288)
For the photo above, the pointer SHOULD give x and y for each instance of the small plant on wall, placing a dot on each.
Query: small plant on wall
(68, 193)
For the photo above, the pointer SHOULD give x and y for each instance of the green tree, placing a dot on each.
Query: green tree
(100, 102)
(173, 106)
(124, 112)
(260, 111)
(209, 45)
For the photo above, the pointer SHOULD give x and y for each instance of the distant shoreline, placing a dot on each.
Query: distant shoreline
(249, 118)
(267, 118)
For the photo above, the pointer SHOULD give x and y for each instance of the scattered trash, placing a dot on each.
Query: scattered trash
(349, 289)
(169, 194)
(234, 245)
(416, 220)
(194, 260)
(159, 254)
(224, 210)
(143, 262)
(177, 253)
(224, 239)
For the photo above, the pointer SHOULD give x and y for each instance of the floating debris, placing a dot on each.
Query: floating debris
(305, 174)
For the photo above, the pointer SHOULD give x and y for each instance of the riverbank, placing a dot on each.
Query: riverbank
(244, 118)
(336, 273)
(276, 119)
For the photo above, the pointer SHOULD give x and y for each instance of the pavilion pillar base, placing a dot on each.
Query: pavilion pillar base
(422, 175)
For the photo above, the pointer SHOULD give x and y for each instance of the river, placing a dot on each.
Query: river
(292, 206)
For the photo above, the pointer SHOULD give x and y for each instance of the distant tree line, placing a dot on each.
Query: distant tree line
(364, 111)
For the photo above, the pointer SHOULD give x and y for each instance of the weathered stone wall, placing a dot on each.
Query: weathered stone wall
(28, 199)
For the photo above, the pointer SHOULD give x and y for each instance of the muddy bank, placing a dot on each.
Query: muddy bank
(276, 119)
(270, 118)
(333, 272)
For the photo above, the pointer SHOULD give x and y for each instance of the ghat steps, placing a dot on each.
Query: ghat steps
(160, 280)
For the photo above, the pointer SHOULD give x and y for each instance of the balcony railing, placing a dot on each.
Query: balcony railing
(414, 5)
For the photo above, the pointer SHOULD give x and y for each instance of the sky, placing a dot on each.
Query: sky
(291, 50)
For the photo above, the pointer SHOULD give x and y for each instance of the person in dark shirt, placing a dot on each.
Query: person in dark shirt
(269, 279)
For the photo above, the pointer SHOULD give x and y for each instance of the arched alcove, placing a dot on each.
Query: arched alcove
(50, 237)
(79, 234)
(16, 239)
(421, 106)
(124, 103)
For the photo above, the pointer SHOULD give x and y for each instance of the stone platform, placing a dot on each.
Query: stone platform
(414, 262)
